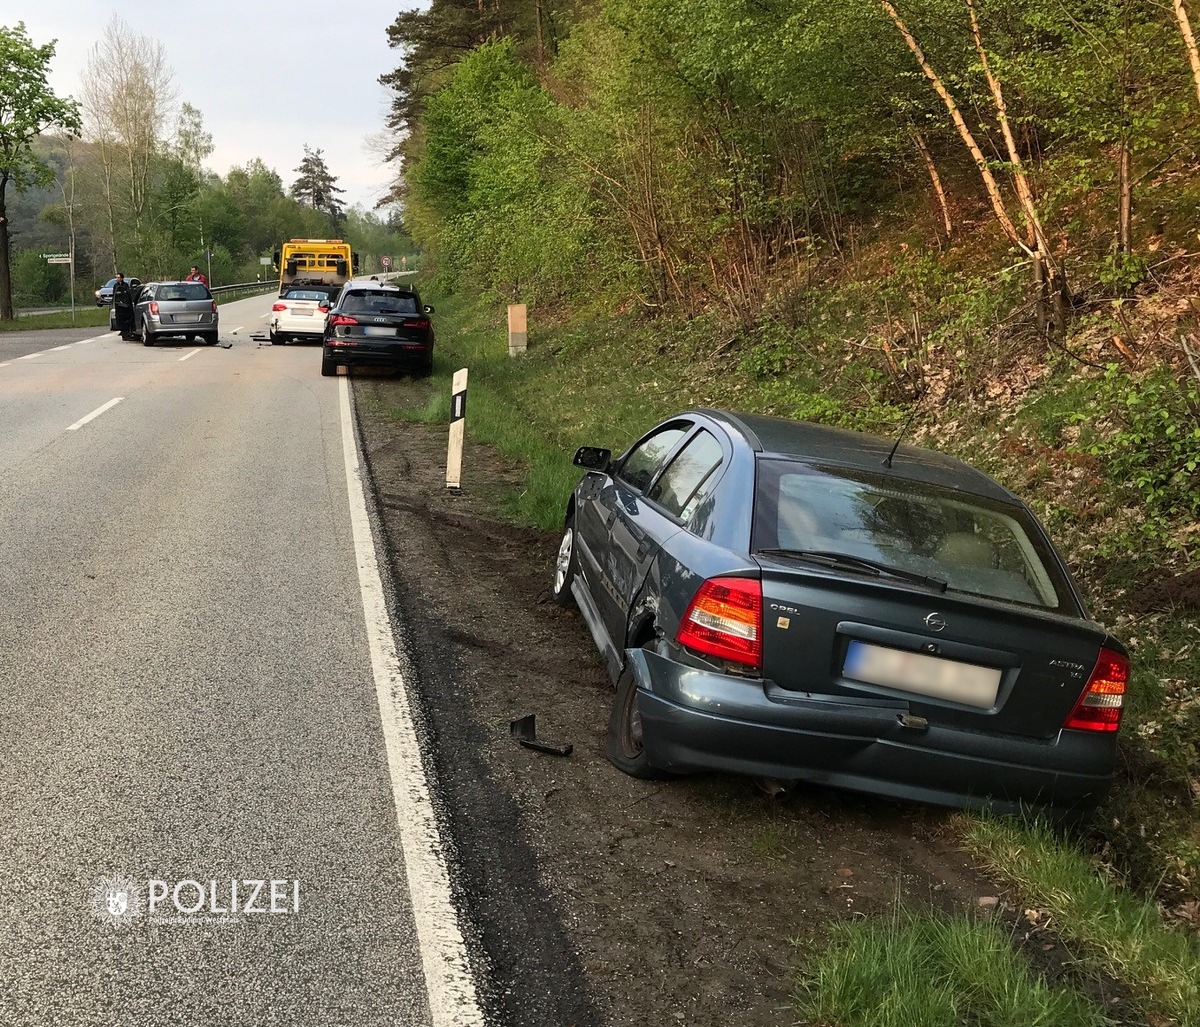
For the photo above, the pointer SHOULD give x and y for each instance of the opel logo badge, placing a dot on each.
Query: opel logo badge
(935, 622)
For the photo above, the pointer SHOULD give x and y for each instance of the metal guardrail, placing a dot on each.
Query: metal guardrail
(270, 286)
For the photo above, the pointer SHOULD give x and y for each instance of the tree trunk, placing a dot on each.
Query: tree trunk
(541, 44)
(1124, 201)
(936, 179)
(985, 172)
(1054, 277)
(6, 300)
(1189, 40)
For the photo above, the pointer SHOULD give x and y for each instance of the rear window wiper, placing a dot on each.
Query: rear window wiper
(392, 310)
(858, 563)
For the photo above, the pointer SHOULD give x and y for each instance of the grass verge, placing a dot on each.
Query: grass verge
(85, 317)
(930, 971)
(1120, 934)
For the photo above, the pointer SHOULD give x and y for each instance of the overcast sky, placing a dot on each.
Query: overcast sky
(243, 63)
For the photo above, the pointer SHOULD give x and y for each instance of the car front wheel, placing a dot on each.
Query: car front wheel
(626, 748)
(565, 567)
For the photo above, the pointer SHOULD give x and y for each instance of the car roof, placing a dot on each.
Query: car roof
(820, 444)
(368, 283)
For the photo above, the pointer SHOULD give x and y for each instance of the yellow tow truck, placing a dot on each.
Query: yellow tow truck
(315, 263)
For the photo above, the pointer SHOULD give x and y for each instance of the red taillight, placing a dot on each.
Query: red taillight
(724, 619)
(275, 306)
(1099, 708)
(154, 307)
(214, 305)
(419, 323)
(324, 309)
(342, 319)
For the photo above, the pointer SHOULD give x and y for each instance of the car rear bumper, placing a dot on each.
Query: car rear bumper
(696, 719)
(406, 355)
(308, 326)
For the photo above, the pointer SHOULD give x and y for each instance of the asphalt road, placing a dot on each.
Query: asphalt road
(192, 690)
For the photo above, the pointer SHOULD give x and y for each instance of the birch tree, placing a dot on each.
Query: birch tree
(128, 97)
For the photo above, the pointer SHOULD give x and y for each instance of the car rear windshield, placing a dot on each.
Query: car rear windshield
(305, 294)
(183, 291)
(379, 301)
(976, 545)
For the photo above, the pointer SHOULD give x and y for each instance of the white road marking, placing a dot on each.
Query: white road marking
(65, 345)
(6, 363)
(237, 329)
(448, 981)
(95, 413)
(30, 356)
(188, 356)
(98, 338)
(264, 316)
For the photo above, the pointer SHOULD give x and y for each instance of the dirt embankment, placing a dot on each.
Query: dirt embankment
(598, 898)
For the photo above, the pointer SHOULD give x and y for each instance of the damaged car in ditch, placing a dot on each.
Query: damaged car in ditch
(801, 603)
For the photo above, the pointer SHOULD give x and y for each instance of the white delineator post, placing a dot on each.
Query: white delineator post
(458, 424)
(517, 334)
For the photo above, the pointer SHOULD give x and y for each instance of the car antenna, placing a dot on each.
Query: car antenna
(887, 461)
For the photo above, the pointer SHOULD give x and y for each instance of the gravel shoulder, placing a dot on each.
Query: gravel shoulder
(596, 898)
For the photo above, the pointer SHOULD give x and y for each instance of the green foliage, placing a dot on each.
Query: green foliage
(481, 200)
(37, 283)
(1146, 430)
(29, 107)
(930, 971)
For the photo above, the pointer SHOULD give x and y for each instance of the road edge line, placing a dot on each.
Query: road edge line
(449, 984)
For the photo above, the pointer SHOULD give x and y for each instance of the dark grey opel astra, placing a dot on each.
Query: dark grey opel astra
(785, 600)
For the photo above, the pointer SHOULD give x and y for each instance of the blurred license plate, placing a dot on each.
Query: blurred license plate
(186, 318)
(369, 330)
(303, 313)
(966, 683)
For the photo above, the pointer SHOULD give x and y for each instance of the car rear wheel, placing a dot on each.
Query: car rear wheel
(211, 338)
(625, 748)
(565, 568)
(147, 335)
(277, 339)
(328, 367)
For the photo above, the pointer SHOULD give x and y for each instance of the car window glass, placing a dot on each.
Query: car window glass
(689, 477)
(644, 460)
(183, 291)
(377, 301)
(977, 546)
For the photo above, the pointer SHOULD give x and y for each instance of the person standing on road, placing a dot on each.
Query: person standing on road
(122, 301)
(196, 275)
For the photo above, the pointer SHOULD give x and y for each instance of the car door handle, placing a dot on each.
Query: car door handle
(643, 548)
(612, 516)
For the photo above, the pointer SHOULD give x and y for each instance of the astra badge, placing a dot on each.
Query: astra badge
(935, 622)
(116, 900)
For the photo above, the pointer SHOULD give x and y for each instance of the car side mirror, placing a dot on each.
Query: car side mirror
(593, 458)
(427, 308)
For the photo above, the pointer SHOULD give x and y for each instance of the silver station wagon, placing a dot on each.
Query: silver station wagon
(175, 308)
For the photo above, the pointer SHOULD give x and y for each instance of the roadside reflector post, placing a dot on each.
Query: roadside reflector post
(458, 424)
(517, 336)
